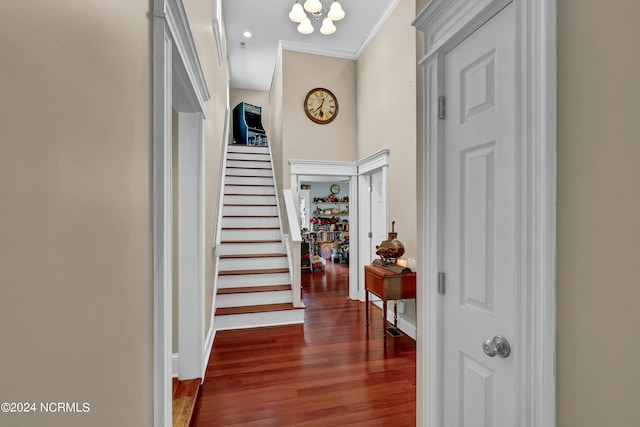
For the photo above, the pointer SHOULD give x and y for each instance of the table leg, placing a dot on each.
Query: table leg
(384, 324)
(395, 314)
(366, 307)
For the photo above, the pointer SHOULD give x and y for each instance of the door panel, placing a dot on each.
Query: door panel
(479, 218)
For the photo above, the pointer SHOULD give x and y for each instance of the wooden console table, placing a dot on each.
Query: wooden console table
(387, 285)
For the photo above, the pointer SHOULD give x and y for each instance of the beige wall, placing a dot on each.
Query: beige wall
(76, 288)
(303, 139)
(387, 119)
(598, 281)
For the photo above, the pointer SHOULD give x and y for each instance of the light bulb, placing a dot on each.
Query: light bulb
(305, 27)
(336, 12)
(327, 27)
(297, 13)
(313, 6)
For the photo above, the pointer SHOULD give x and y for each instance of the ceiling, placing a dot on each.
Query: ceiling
(252, 66)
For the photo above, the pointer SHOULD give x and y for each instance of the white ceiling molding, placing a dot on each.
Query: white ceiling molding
(317, 50)
(379, 23)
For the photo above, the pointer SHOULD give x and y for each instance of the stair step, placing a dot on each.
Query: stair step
(249, 159)
(249, 210)
(250, 241)
(271, 255)
(256, 271)
(248, 172)
(248, 280)
(249, 164)
(250, 221)
(240, 190)
(241, 148)
(248, 180)
(248, 156)
(236, 248)
(263, 308)
(251, 289)
(250, 199)
(252, 262)
(250, 228)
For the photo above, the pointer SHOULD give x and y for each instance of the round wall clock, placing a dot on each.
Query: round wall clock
(321, 105)
(335, 189)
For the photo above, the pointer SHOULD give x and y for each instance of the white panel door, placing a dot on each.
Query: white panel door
(378, 212)
(479, 218)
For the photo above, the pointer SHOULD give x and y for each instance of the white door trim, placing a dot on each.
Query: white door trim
(314, 170)
(444, 24)
(173, 52)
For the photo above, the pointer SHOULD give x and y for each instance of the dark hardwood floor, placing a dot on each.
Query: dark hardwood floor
(327, 372)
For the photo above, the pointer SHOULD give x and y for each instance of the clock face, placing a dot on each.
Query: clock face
(335, 189)
(321, 105)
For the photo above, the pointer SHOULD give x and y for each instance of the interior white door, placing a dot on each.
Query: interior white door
(378, 212)
(480, 220)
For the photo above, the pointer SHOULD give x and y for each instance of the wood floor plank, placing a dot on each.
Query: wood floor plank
(327, 372)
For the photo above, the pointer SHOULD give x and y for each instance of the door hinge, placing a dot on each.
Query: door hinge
(441, 108)
(441, 285)
(370, 235)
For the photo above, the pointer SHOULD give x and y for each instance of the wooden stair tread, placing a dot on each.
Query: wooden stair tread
(250, 228)
(256, 271)
(241, 204)
(252, 241)
(250, 216)
(248, 167)
(268, 255)
(185, 394)
(250, 185)
(246, 176)
(225, 311)
(249, 195)
(251, 289)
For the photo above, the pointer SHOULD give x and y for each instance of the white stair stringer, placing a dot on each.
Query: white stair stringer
(254, 281)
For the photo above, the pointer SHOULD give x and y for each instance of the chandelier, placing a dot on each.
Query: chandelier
(315, 8)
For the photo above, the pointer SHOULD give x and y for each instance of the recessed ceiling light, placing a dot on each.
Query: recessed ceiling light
(247, 34)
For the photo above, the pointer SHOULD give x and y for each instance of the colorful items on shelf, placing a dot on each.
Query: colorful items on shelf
(331, 199)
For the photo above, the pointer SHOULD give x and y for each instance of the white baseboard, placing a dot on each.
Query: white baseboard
(175, 365)
(208, 346)
(404, 325)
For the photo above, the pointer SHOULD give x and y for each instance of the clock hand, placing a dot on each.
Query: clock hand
(320, 106)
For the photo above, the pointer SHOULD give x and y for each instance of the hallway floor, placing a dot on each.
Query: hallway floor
(327, 372)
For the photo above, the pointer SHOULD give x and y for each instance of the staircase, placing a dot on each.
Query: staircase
(254, 281)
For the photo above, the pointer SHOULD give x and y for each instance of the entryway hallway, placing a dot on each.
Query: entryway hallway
(326, 372)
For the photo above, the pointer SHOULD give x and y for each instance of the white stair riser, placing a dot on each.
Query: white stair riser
(248, 156)
(253, 298)
(249, 235)
(250, 210)
(250, 222)
(236, 148)
(252, 248)
(249, 164)
(249, 172)
(228, 264)
(246, 189)
(242, 280)
(248, 180)
(255, 320)
(249, 200)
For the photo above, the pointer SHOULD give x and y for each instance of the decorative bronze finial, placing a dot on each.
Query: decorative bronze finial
(390, 250)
